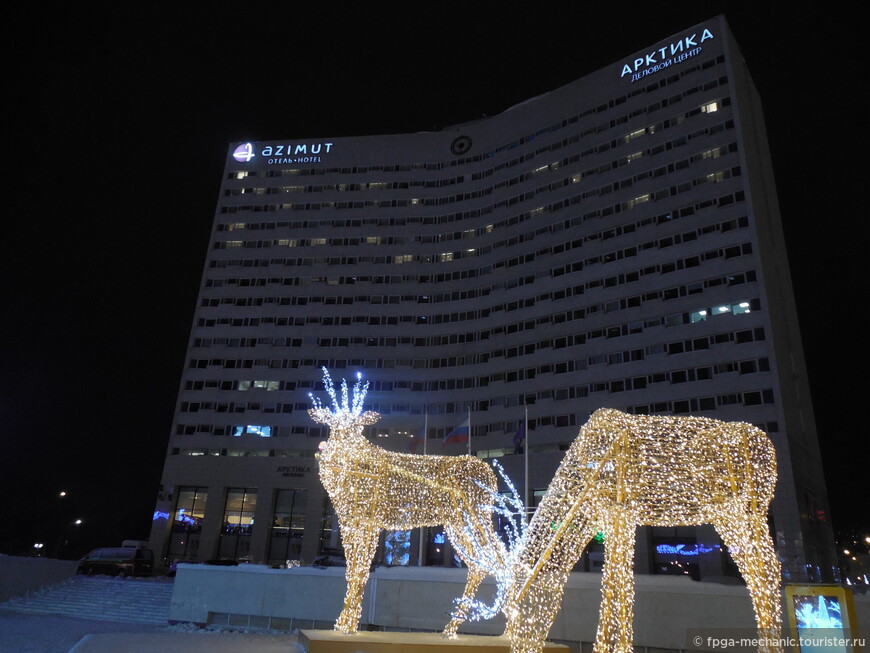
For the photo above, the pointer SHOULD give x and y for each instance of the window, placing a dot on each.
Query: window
(238, 523)
(253, 429)
(288, 525)
(187, 523)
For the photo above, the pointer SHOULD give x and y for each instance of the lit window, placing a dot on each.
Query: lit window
(710, 108)
(252, 429)
(635, 134)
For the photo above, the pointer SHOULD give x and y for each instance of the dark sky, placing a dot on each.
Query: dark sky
(119, 120)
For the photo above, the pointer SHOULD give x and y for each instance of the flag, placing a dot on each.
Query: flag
(519, 437)
(416, 439)
(459, 434)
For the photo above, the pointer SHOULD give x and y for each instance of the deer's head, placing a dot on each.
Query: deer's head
(345, 416)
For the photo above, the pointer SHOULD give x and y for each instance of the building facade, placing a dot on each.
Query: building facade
(613, 243)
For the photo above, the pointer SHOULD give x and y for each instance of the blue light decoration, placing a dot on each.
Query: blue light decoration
(439, 538)
(681, 550)
(397, 548)
(159, 514)
(509, 510)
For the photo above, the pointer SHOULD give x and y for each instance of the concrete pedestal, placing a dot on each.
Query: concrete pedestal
(331, 641)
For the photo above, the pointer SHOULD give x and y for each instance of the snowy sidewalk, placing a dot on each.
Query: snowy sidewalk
(194, 642)
(32, 633)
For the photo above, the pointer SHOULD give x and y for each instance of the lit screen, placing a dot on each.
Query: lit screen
(818, 617)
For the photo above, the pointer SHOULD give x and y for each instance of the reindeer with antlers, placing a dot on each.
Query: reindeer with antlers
(373, 489)
(624, 471)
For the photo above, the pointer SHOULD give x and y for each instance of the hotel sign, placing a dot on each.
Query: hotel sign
(282, 153)
(669, 55)
(294, 471)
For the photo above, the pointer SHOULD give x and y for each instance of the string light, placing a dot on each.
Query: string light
(373, 489)
(498, 560)
(625, 471)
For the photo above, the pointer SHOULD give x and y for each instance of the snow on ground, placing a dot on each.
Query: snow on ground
(29, 633)
(34, 633)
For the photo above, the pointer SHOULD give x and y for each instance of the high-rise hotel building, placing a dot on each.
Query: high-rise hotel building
(613, 243)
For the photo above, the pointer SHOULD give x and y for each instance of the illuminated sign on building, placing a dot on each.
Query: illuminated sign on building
(284, 153)
(244, 153)
(673, 53)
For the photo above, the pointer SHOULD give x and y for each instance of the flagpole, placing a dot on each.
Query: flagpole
(526, 456)
(469, 429)
(423, 528)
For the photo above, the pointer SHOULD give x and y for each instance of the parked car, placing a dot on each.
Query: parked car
(120, 561)
(329, 558)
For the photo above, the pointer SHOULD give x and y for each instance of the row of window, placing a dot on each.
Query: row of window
(692, 317)
(729, 252)
(527, 237)
(579, 313)
(614, 386)
(565, 246)
(571, 223)
(747, 398)
(287, 524)
(662, 193)
(516, 238)
(562, 342)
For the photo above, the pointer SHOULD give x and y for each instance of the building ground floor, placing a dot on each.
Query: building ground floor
(277, 512)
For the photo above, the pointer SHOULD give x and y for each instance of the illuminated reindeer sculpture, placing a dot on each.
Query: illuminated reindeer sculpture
(373, 489)
(625, 471)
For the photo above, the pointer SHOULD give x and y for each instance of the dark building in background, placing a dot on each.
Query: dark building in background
(613, 243)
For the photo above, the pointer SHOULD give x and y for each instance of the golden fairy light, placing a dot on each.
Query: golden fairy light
(373, 489)
(625, 471)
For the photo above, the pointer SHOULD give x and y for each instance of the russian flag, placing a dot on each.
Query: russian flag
(459, 434)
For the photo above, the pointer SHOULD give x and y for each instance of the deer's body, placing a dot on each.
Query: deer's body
(373, 489)
(625, 471)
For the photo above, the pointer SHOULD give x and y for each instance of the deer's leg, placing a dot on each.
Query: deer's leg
(615, 631)
(460, 613)
(466, 543)
(538, 585)
(747, 538)
(360, 542)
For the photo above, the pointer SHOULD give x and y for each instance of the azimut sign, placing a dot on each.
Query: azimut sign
(669, 55)
(282, 153)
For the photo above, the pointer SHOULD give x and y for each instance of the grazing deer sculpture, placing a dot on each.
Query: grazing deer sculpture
(625, 471)
(373, 489)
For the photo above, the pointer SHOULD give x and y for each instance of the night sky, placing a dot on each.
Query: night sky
(119, 120)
